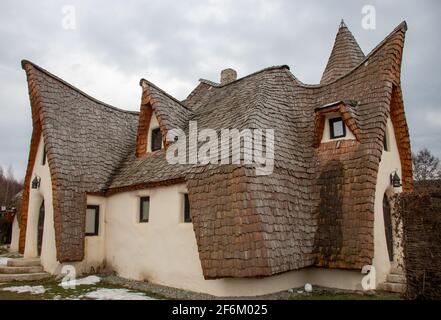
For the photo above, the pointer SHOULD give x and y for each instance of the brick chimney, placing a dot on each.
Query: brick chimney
(227, 76)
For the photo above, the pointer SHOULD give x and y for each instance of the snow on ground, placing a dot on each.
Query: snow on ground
(3, 261)
(115, 294)
(25, 289)
(90, 280)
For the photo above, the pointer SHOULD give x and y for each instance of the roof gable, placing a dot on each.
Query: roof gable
(86, 142)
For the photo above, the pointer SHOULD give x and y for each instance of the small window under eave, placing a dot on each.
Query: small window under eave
(187, 212)
(156, 140)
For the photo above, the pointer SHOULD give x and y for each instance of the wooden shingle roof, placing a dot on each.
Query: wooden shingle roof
(345, 55)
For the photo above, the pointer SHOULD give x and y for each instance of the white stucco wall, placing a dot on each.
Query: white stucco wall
(15, 237)
(390, 161)
(326, 137)
(164, 250)
(94, 246)
(36, 196)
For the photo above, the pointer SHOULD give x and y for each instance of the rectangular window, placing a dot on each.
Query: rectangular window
(337, 128)
(144, 209)
(187, 212)
(92, 220)
(43, 161)
(385, 142)
(156, 139)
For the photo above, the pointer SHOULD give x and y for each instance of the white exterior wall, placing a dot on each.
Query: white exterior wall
(36, 196)
(390, 161)
(15, 235)
(94, 246)
(164, 250)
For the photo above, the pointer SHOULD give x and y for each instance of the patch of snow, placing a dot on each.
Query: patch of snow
(3, 261)
(90, 280)
(308, 287)
(25, 289)
(115, 294)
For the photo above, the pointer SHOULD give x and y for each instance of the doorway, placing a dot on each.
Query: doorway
(388, 227)
(40, 228)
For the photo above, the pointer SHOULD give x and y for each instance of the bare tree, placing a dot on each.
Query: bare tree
(9, 186)
(425, 166)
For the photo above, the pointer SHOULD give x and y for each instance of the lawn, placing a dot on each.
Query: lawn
(346, 296)
(51, 290)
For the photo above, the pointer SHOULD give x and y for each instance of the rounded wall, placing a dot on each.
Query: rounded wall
(164, 250)
(390, 161)
(15, 235)
(36, 197)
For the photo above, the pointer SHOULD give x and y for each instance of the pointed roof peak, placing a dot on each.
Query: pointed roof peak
(342, 24)
(345, 55)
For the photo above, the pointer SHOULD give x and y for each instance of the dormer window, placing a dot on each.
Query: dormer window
(156, 142)
(337, 128)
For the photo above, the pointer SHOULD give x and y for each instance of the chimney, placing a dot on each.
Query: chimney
(227, 76)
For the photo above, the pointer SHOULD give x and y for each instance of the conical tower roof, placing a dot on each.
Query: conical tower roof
(345, 55)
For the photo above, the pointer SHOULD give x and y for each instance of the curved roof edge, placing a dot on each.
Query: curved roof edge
(150, 84)
(24, 62)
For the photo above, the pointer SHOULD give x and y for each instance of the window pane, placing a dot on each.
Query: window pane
(337, 128)
(187, 212)
(43, 162)
(91, 217)
(156, 139)
(145, 209)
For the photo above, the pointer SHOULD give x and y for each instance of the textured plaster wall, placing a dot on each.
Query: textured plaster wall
(390, 161)
(36, 197)
(164, 250)
(15, 235)
(94, 253)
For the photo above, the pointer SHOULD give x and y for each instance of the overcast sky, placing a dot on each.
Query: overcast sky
(174, 43)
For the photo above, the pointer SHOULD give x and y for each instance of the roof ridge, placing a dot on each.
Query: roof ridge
(401, 26)
(24, 62)
(218, 85)
(163, 92)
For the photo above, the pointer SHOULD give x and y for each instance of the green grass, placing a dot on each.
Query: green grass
(346, 296)
(54, 291)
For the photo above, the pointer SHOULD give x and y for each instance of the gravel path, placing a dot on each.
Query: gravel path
(165, 292)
